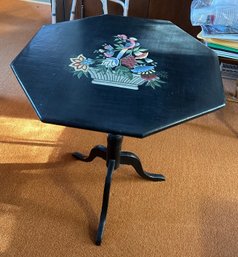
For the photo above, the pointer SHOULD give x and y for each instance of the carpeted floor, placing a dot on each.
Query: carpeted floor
(50, 203)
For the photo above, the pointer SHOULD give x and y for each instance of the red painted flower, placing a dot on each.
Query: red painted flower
(129, 61)
(148, 77)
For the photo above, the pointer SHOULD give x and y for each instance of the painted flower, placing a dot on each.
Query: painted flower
(119, 64)
(110, 62)
(147, 72)
(149, 77)
(122, 36)
(143, 69)
(129, 61)
(141, 55)
(81, 63)
(108, 51)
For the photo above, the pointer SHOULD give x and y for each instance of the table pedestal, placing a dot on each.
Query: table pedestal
(113, 156)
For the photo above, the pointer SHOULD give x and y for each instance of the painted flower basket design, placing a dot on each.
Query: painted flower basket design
(124, 64)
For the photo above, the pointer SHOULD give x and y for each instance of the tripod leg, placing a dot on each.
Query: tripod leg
(106, 194)
(97, 151)
(131, 159)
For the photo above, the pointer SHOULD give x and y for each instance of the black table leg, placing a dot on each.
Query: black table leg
(97, 151)
(106, 194)
(131, 159)
(114, 157)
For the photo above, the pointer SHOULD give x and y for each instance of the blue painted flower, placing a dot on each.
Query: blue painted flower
(88, 61)
(141, 69)
(109, 51)
(110, 62)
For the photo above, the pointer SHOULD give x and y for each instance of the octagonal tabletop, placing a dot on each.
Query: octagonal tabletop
(121, 75)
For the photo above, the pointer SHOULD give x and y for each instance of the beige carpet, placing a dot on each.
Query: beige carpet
(50, 203)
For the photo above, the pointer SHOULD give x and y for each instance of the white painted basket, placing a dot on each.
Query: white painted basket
(115, 80)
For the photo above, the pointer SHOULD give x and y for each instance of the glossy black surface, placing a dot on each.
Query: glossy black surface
(193, 86)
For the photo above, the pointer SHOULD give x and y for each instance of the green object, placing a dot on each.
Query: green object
(221, 47)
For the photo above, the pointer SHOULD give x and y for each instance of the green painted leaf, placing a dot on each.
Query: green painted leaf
(148, 60)
(137, 53)
(143, 50)
(80, 74)
(140, 62)
(160, 81)
(136, 49)
(156, 84)
(101, 68)
(130, 75)
(125, 69)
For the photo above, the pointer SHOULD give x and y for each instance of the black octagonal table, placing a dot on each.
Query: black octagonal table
(120, 75)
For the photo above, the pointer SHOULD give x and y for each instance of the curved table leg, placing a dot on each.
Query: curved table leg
(97, 151)
(106, 194)
(131, 159)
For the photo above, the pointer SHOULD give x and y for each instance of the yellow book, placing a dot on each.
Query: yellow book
(219, 41)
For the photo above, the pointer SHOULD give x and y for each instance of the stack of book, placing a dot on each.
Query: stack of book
(225, 45)
(218, 20)
(219, 24)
